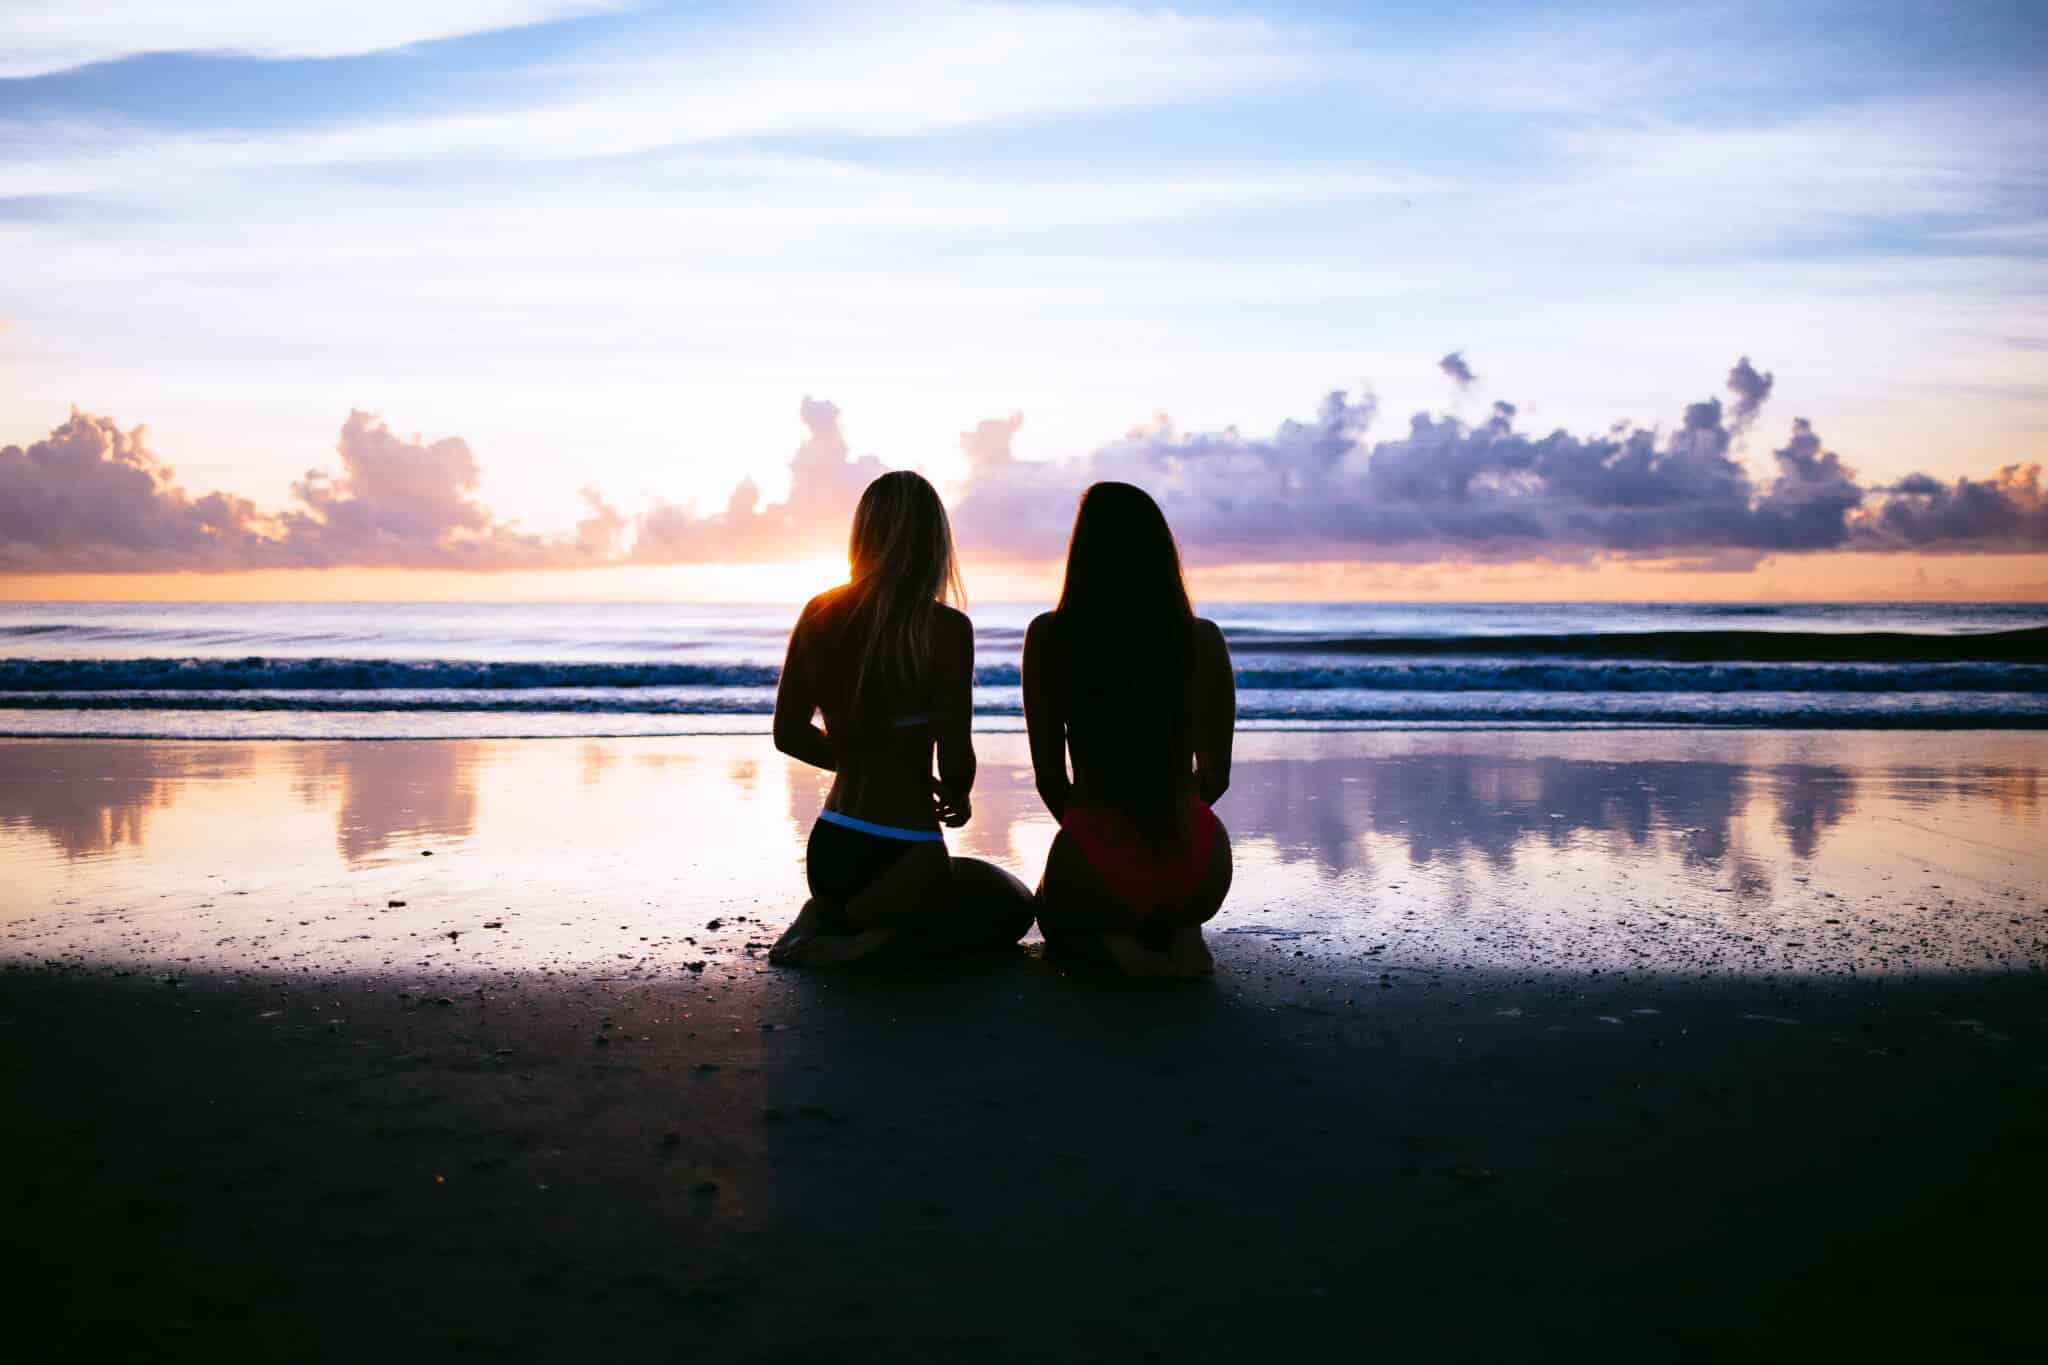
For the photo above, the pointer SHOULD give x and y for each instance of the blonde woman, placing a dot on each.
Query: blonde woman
(888, 663)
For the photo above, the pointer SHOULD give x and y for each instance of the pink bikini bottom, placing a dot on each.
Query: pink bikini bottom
(1146, 879)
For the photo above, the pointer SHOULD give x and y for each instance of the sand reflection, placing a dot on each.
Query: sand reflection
(1498, 805)
(389, 793)
(91, 797)
(1522, 839)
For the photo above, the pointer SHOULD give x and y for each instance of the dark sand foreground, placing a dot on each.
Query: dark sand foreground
(1020, 1163)
(602, 1152)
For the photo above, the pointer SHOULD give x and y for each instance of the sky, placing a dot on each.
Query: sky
(567, 298)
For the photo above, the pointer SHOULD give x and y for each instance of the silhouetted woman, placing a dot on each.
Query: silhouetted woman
(1129, 682)
(890, 666)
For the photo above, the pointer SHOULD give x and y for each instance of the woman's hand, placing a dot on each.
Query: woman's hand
(952, 810)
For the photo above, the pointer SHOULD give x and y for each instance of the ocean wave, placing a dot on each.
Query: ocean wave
(1335, 673)
(370, 713)
(1588, 676)
(328, 674)
(1687, 646)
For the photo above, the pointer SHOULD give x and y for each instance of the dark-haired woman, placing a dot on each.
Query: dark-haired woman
(890, 666)
(1126, 680)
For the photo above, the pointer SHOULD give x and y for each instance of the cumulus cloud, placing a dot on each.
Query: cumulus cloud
(92, 497)
(601, 535)
(1750, 389)
(1461, 374)
(402, 502)
(1320, 489)
(823, 487)
(1920, 512)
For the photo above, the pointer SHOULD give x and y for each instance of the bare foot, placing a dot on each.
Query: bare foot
(837, 950)
(808, 924)
(1133, 958)
(818, 938)
(1189, 955)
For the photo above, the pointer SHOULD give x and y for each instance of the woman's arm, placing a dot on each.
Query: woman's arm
(1043, 721)
(796, 702)
(953, 720)
(1215, 718)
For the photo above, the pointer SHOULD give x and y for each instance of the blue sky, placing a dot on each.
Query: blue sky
(619, 243)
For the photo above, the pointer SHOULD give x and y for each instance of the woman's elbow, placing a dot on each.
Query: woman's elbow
(1055, 793)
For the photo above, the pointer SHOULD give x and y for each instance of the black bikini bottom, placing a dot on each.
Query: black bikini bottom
(840, 863)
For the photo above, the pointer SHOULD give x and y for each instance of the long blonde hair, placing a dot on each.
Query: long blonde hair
(901, 562)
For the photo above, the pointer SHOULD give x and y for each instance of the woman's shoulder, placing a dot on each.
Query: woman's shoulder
(821, 624)
(951, 629)
(1209, 637)
(820, 610)
(1042, 634)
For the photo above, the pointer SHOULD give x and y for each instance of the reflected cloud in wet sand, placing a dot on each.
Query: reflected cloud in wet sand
(386, 793)
(92, 797)
(1542, 848)
(1497, 805)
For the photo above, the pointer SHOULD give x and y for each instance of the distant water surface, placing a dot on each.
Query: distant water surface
(360, 670)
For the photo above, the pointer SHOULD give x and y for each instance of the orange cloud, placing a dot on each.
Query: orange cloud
(94, 499)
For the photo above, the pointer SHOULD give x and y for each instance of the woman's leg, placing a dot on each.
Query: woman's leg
(940, 906)
(1185, 947)
(1074, 898)
(1208, 897)
(1079, 912)
(818, 938)
(911, 893)
(991, 908)
(856, 909)
(925, 904)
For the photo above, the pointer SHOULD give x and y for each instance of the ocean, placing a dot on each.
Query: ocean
(375, 670)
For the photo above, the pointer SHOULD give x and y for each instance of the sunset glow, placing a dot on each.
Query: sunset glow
(1481, 794)
(602, 301)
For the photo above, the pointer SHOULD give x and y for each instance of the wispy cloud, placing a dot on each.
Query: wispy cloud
(1760, 174)
(56, 35)
(888, 73)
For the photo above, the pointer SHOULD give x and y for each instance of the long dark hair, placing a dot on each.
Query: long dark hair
(901, 562)
(1128, 630)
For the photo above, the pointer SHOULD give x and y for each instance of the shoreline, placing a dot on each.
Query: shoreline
(1251, 726)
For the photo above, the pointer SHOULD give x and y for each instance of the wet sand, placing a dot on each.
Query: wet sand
(1663, 1044)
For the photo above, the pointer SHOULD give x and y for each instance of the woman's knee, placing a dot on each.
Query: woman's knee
(1208, 896)
(914, 888)
(993, 898)
(1221, 872)
(1072, 897)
